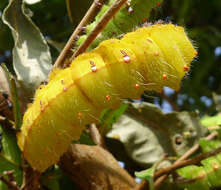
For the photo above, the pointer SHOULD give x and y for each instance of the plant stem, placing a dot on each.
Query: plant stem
(99, 27)
(183, 163)
(161, 176)
(171, 101)
(89, 16)
(14, 94)
(10, 183)
(159, 181)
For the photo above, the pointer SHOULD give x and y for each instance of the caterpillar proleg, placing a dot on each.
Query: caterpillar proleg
(147, 59)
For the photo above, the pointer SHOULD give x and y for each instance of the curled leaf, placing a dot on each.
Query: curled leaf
(147, 133)
(31, 56)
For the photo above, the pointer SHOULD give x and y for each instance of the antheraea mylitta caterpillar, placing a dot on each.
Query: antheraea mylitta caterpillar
(146, 59)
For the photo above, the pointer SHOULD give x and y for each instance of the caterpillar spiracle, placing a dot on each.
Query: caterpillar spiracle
(147, 59)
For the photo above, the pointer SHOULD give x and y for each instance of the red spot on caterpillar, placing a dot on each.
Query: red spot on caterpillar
(156, 53)
(144, 20)
(196, 53)
(215, 166)
(121, 23)
(65, 89)
(107, 98)
(41, 106)
(126, 57)
(93, 66)
(202, 175)
(164, 76)
(30, 129)
(83, 29)
(158, 4)
(137, 86)
(98, 4)
(45, 150)
(79, 115)
(186, 68)
(58, 134)
(130, 10)
(149, 40)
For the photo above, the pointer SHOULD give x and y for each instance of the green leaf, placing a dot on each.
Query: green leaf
(3, 186)
(31, 55)
(211, 121)
(145, 174)
(149, 174)
(53, 185)
(51, 178)
(16, 104)
(147, 133)
(30, 2)
(4, 84)
(14, 97)
(84, 139)
(109, 117)
(10, 156)
(209, 145)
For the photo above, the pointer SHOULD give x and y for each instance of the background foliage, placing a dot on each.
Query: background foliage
(56, 19)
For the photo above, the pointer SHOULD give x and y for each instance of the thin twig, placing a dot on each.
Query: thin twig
(99, 27)
(144, 184)
(183, 163)
(30, 178)
(11, 184)
(89, 16)
(14, 94)
(159, 181)
(171, 102)
(95, 135)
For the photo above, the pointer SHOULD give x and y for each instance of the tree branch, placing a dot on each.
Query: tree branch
(171, 101)
(162, 174)
(89, 16)
(30, 179)
(93, 167)
(10, 182)
(183, 163)
(99, 27)
(159, 181)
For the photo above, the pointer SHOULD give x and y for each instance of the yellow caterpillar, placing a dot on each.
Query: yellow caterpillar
(147, 59)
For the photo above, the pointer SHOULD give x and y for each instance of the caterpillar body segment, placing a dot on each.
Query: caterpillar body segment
(146, 59)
